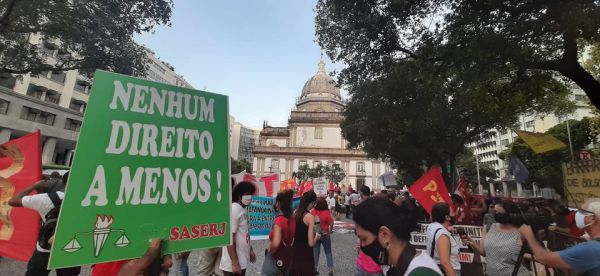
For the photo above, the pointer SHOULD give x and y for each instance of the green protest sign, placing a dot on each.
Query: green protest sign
(152, 160)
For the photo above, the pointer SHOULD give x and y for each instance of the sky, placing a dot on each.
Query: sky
(259, 53)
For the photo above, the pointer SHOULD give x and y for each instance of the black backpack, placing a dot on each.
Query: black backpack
(48, 227)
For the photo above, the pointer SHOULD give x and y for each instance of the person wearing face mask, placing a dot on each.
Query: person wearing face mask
(281, 237)
(384, 231)
(502, 244)
(304, 237)
(442, 247)
(237, 255)
(583, 258)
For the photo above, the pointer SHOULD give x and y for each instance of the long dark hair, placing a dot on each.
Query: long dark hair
(285, 202)
(375, 212)
(307, 198)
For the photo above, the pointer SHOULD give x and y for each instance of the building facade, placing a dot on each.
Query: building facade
(313, 136)
(242, 140)
(54, 103)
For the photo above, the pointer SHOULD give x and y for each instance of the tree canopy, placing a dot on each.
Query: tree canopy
(538, 36)
(89, 35)
(426, 78)
(238, 166)
(332, 172)
(466, 163)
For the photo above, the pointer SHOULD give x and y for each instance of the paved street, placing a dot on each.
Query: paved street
(343, 247)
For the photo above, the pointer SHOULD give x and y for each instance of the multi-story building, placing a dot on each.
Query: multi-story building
(496, 141)
(313, 136)
(54, 102)
(242, 140)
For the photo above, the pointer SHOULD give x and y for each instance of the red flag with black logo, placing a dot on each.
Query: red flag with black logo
(20, 166)
(430, 189)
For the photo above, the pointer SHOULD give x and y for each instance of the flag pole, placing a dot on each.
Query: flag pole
(570, 142)
(478, 177)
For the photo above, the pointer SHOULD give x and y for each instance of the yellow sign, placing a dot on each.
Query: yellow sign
(582, 181)
(540, 142)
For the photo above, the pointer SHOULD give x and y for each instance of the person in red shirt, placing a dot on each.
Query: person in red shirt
(324, 225)
(462, 210)
(281, 235)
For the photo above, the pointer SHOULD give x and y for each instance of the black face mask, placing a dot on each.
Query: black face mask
(501, 218)
(376, 252)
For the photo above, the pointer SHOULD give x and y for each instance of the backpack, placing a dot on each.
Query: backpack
(48, 227)
(284, 255)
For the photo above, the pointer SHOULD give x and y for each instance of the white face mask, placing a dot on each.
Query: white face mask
(246, 199)
(580, 220)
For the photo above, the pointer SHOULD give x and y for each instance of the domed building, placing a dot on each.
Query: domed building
(314, 136)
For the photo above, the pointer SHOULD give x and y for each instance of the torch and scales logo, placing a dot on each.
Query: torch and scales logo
(102, 230)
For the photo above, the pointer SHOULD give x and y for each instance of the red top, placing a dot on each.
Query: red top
(464, 209)
(325, 219)
(108, 269)
(282, 222)
(573, 228)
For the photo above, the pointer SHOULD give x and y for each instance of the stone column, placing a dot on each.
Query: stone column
(505, 189)
(5, 135)
(492, 189)
(68, 157)
(48, 151)
(519, 189)
(480, 188)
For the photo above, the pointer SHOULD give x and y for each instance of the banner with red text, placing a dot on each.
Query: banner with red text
(430, 189)
(267, 185)
(20, 166)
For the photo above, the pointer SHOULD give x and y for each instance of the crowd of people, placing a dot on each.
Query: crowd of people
(516, 235)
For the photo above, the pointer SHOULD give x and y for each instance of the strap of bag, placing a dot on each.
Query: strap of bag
(56, 201)
(433, 243)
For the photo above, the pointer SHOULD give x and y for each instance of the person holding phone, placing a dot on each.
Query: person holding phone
(441, 246)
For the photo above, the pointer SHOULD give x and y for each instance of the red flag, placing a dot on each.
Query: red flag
(20, 166)
(331, 186)
(430, 189)
(287, 184)
(307, 186)
(462, 189)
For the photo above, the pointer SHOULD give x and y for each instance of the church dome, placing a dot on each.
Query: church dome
(320, 85)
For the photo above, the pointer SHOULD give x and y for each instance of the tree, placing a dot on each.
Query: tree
(419, 114)
(466, 164)
(238, 166)
(592, 63)
(332, 172)
(532, 36)
(89, 35)
(545, 168)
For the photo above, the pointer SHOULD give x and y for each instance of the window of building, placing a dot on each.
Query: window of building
(274, 164)
(317, 163)
(360, 166)
(360, 182)
(504, 142)
(72, 124)
(77, 105)
(58, 76)
(36, 115)
(530, 124)
(580, 97)
(4, 106)
(302, 163)
(318, 133)
(80, 86)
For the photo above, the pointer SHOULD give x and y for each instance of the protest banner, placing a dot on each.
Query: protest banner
(430, 189)
(152, 161)
(261, 214)
(320, 186)
(582, 181)
(20, 167)
(267, 185)
(471, 262)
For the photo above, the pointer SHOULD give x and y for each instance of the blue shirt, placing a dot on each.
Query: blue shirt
(584, 257)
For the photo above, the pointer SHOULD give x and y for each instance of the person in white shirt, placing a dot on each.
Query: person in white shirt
(236, 256)
(42, 203)
(441, 245)
(331, 204)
